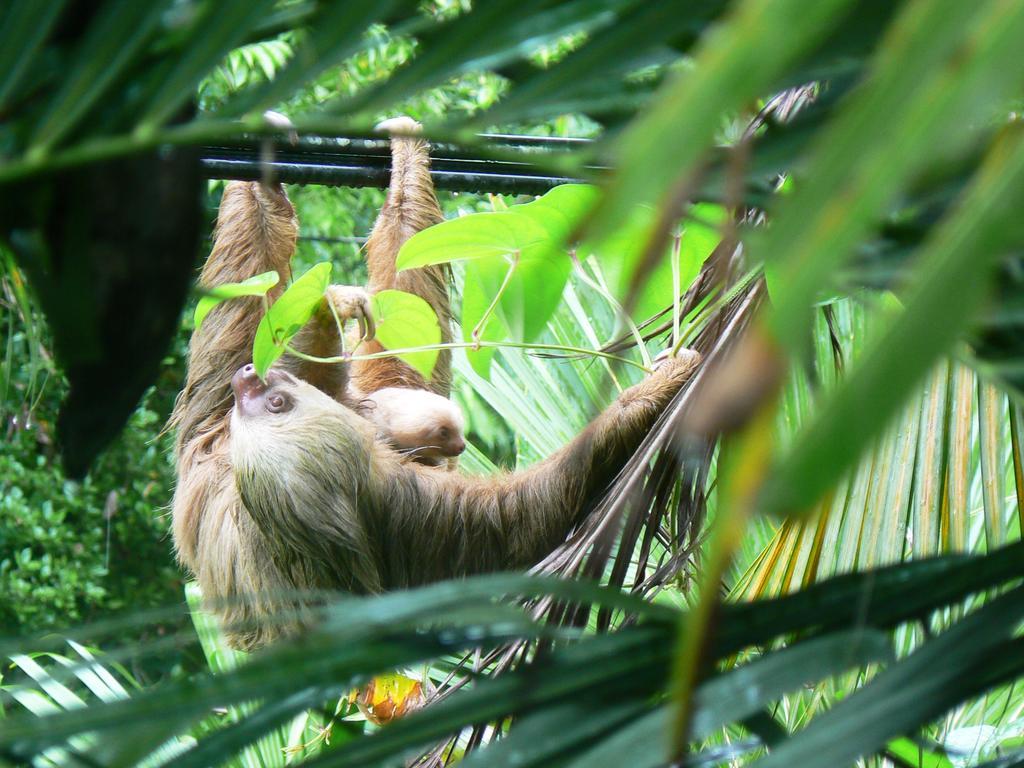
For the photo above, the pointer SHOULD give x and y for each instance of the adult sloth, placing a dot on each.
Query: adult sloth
(282, 486)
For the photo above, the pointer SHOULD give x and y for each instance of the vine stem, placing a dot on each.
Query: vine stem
(340, 326)
(479, 327)
(466, 345)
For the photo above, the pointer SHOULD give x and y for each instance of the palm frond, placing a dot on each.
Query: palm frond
(615, 679)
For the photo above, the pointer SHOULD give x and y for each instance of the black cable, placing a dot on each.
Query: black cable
(517, 168)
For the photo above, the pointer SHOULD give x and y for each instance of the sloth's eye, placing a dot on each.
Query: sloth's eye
(275, 403)
(444, 433)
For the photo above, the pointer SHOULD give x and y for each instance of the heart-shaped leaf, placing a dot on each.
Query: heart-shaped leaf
(477, 236)
(257, 285)
(405, 320)
(287, 315)
(561, 209)
(517, 264)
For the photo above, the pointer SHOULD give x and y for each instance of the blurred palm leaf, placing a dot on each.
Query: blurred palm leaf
(165, 50)
(289, 740)
(56, 682)
(616, 680)
(891, 186)
(939, 480)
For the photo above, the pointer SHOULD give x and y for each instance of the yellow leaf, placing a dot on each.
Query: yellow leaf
(388, 697)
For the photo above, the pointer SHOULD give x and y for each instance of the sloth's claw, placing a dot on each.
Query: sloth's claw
(353, 303)
(402, 125)
(684, 359)
(282, 123)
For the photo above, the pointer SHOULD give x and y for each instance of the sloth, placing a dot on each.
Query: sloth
(283, 489)
(422, 425)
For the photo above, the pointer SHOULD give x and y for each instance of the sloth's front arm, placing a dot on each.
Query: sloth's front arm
(325, 494)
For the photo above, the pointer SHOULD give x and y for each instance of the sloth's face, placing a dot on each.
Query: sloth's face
(297, 458)
(289, 439)
(283, 409)
(255, 398)
(439, 439)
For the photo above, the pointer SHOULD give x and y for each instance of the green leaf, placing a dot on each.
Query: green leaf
(547, 221)
(741, 693)
(336, 33)
(405, 320)
(561, 209)
(596, 67)
(962, 662)
(61, 694)
(527, 287)
(476, 298)
(517, 259)
(23, 28)
(500, 234)
(992, 415)
(533, 291)
(620, 255)
(488, 35)
(361, 636)
(701, 234)
(936, 63)
(257, 285)
(224, 26)
(288, 314)
(745, 56)
(111, 43)
(604, 661)
(915, 755)
(258, 723)
(953, 263)
(538, 280)
(540, 738)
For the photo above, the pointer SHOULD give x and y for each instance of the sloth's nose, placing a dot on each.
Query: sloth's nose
(246, 382)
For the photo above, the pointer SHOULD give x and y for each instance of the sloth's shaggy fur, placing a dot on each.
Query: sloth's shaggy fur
(303, 497)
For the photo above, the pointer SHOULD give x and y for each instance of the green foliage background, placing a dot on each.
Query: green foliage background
(73, 552)
(906, 457)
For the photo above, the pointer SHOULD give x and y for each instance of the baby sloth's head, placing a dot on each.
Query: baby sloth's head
(426, 426)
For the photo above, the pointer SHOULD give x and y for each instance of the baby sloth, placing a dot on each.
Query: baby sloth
(426, 427)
